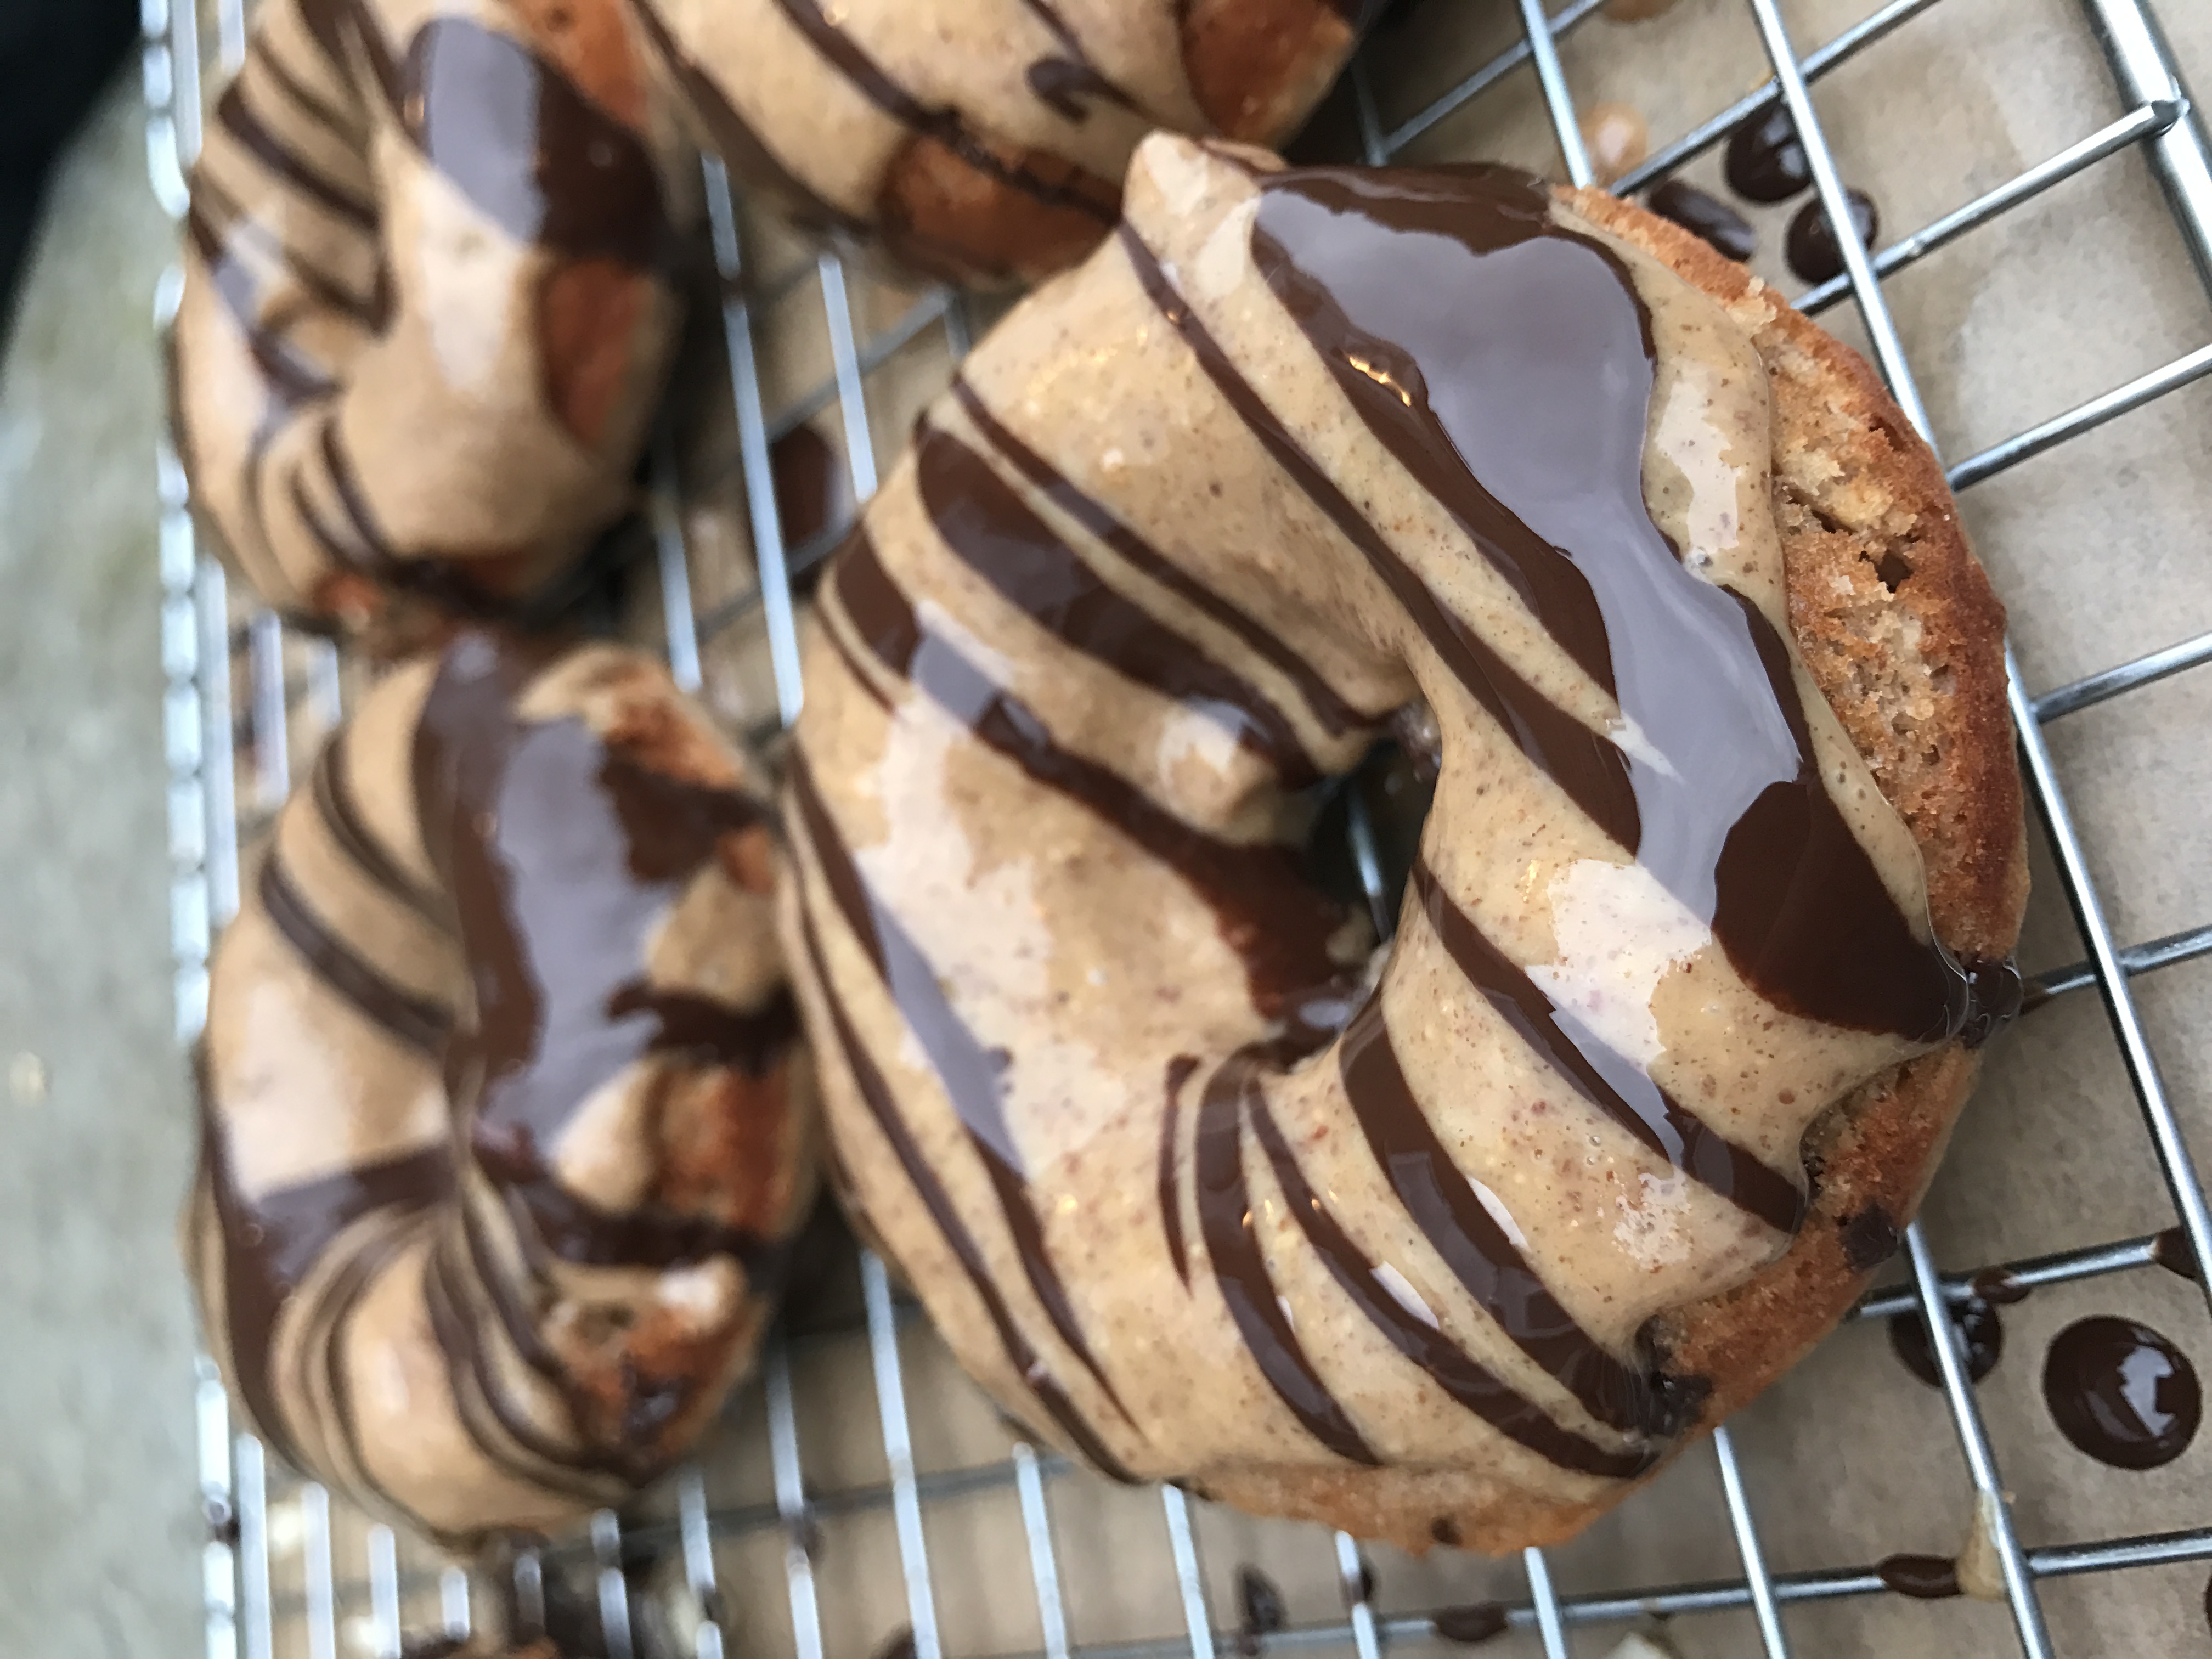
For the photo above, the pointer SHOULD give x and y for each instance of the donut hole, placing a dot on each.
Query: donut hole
(1391, 790)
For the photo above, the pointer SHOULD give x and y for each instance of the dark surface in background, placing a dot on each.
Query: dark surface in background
(55, 58)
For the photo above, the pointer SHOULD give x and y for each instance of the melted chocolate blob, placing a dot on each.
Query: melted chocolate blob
(813, 486)
(1925, 1577)
(1476, 1622)
(2122, 1393)
(1978, 1327)
(1811, 246)
(2170, 1249)
(1703, 213)
(1260, 1602)
(1764, 161)
(900, 1646)
(1869, 1238)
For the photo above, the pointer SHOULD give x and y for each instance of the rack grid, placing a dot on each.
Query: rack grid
(241, 698)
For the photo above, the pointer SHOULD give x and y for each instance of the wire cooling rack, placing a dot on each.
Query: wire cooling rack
(287, 1569)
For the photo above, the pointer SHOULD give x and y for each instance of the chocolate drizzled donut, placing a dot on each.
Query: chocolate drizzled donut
(504, 1130)
(1129, 1100)
(981, 141)
(428, 306)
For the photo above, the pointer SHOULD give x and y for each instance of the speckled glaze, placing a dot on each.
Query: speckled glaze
(427, 305)
(504, 1129)
(1128, 1100)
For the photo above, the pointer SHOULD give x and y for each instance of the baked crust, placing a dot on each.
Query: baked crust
(1898, 626)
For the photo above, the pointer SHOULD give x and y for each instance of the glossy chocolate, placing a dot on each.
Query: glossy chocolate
(1533, 440)
(1980, 1330)
(2122, 1392)
(1764, 162)
(534, 156)
(1704, 214)
(1609, 1080)
(1810, 246)
(1924, 1578)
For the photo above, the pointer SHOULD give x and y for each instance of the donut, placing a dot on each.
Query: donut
(504, 1132)
(428, 306)
(1713, 905)
(982, 141)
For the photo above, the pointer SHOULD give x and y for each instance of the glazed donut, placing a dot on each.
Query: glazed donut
(504, 1132)
(427, 309)
(1468, 1234)
(981, 141)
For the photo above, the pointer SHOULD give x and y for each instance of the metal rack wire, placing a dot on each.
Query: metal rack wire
(291, 684)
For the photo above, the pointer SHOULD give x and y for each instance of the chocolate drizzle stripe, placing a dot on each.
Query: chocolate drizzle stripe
(506, 1295)
(1179, 1072)
(269, 62)
(1591, 770)
(1080, 191)
(340, 1303)
(216, 242)
(1610, 1081)
(1240, 1265)
(733, 136)
(1451, 1366)
(854, 666)
(498, 1426)
(969, 1074)
(239, 120)
(419, 1022)
(1335, 715)
(374, 553)
(1534, 438)
(291, 376)
(1268, 912)
(987, 527)
(332, 787)
(875, 1096)
(1475, 1247)
(536, 156)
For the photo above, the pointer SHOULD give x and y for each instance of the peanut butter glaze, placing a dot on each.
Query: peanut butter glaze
(460, 1195)
(1434, 439)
